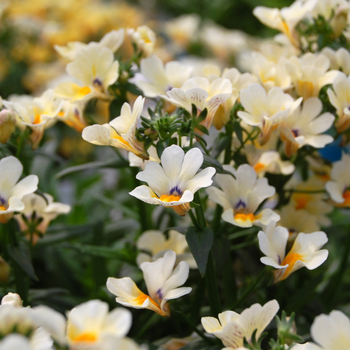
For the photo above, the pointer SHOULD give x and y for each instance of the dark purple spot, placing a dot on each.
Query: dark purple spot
(2, 201)
(240, 205)
(295, 132)
(159, 294)
(176, 191)
(279, 260)
(97, 81)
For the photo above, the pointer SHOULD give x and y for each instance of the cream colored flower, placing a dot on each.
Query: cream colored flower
(304, 252)
(339, 187)
(286, 19)
(156, 245)
(304, 126)
(232, 328)
(120, 132)
(72, 114)
(112, 40)
(143, 38)
(12, 299)
(309, 73)
(7, 124)
(162, 282)
(136, 161)
(340, 99)
(11, 192)
(203, 94)
(95, 69)
(241, 196)
(266, 111)
(160, 78)
(174, 183)
(339, 60)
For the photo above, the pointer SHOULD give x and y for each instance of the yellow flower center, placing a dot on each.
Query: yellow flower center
(245, 217)
(305, 89)
(301, 200)
(86, 337)
(2, 208)
(290, 259)
(346, 196)
(37, 119)
(169, 198)
(82, 92)
(258, 167)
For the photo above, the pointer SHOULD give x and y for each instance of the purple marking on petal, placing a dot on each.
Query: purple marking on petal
(159, 294)
(295, 132)
(240, 205)
(176, 191)
(97, 81)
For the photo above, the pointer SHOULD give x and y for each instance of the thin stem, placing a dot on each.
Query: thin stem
(194, 220)
(244, 244)
(305, 191)
(242, 233)
(148, 324)
(199, 211)
(212, 287)
(250, 288)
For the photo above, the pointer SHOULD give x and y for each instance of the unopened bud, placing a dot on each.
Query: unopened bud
(7, 124)
(12, 299)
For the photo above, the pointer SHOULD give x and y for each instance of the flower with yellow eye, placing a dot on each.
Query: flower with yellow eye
(174, 183)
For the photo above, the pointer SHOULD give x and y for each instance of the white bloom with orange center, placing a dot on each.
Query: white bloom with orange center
(266, 110)
(162, 282)
(231, 328)
(37, 113)
(160, 78)
(120, 132)
(113, 40)
(241, 196)
(174, 183)
(304, 252)
(11, 192)
(286, 19)
(203, 94)
(95, 69)
(91, 326)
(156, 245)
(339, 187)
(340, 99)
(309, 73)
(143, 38)
(305, 126)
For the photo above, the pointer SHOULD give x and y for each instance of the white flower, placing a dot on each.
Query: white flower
(304, 252)
(39, 341)
(95, 69)
(12, 299)
(72, 114)
(113, 40)
(304, 126)
(183, 29)
(340, 99)
(159, 78)
(241, 196)
(233, 328)
(338, 188)
(136, 161)
(11, 192)
(157, 245)
(266, 110)
(7, 124)
(120, 132)
(339, 60)
(144, 39)
(90, 324)
(162, 282)
(173, 183)
(203, 94)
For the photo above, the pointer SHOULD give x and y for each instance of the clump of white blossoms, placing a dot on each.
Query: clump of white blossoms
(162, 282)
(304, 252)
(11, 192)
(232, 327)
(339, 187)
(174, 182)
(241, 196)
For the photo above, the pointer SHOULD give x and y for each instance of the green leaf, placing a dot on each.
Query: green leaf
(133, 89)
(21, 255)
(202, 128)
(200, 243)
(210, 161)
(238, 130)
(116, 162)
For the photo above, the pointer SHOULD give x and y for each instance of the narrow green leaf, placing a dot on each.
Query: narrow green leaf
(210, 161)
(238, 130)
(200, 243)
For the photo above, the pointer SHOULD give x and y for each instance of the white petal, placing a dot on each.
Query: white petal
(27, 185)
(118, 322)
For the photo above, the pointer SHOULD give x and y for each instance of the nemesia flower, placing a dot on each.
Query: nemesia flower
(7, 124)
(91, 325)
(304, 126)
(232, 328)
(304, 252)
(157, 245)
(38, 341)
(340, 99)
(339, 187)
(135, 161)
(339, 60)
(162, 282)
(12, 299)
(173, 183)
(241, 196)
(112, 40)
(266, 111)
(309, 73)
(286, 19)
(120, 132)
(95, 69)
(72, 114)
(40, 209)
(11, 192)
(161, 78)
(144, 38)
(37, 113)
(203, 94)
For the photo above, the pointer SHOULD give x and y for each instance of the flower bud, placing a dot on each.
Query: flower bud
(13, 299)
(144, 39)
(7, 124)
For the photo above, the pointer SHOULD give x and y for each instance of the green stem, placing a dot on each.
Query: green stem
(250, 288)
(212, 287)
(215, 224)
(228, 152)
(199, 211)
(194, 220)
(149, 323)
